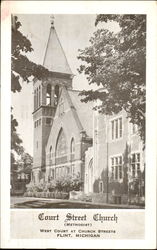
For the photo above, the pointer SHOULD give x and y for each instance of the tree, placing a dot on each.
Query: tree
(22, 68)
(27, 159)
(117, 62)
(16, 141)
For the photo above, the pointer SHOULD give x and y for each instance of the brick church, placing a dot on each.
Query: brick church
(71, 138)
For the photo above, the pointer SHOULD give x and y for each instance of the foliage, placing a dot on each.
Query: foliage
(76, 183)
(66, 183)
(117, 62)
(31, 187)
(22, 68)
(16, 141)
(26, 159)
(61, 184)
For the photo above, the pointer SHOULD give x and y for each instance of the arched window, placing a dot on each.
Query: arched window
(61, 147)
(39, 96)
(50, 155)
(48, 95)
(90, 166)
(56, 94)
(34, 99)
(72, 149)
(72, 146)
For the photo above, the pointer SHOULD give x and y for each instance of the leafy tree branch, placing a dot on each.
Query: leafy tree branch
(117, 63)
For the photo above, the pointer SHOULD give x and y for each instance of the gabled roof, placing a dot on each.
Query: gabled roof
(55, 59)
(83, 110)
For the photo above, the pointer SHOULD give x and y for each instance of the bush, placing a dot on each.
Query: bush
(76, 183)
(66, 184)
(52, 195)
(58, 188)
(33, 188)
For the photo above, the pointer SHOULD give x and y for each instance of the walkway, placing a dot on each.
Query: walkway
(30, 202)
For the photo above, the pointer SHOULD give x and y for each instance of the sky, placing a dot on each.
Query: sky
(74, 32)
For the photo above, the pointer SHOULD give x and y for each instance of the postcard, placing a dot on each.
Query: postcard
(78, 124)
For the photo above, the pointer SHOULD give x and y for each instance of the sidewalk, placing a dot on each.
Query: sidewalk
(50, 202)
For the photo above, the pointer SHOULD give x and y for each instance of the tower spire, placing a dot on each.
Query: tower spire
(55, 59)
(52, 20)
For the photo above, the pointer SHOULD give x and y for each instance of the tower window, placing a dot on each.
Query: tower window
(39, 96)
(48, 95)
(34, 99)
(56, 94)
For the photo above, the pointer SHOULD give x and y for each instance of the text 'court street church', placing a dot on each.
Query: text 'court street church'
(72, 139)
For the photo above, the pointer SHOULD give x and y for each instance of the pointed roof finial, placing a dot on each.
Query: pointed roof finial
(52, 20)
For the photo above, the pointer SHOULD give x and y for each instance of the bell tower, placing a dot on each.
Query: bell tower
(46, 94)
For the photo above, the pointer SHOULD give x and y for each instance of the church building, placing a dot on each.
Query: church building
(71, 138)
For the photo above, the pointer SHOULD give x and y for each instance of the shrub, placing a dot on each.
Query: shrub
(33, 188)
(66, 184)
(76, 183)
(51, 185)
(58, 188)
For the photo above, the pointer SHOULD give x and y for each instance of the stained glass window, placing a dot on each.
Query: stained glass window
(61, 148)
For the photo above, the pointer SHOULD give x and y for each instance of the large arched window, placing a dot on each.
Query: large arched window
(61, 147)
(72, 149)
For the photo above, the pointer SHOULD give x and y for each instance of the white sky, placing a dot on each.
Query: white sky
(74, 32)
